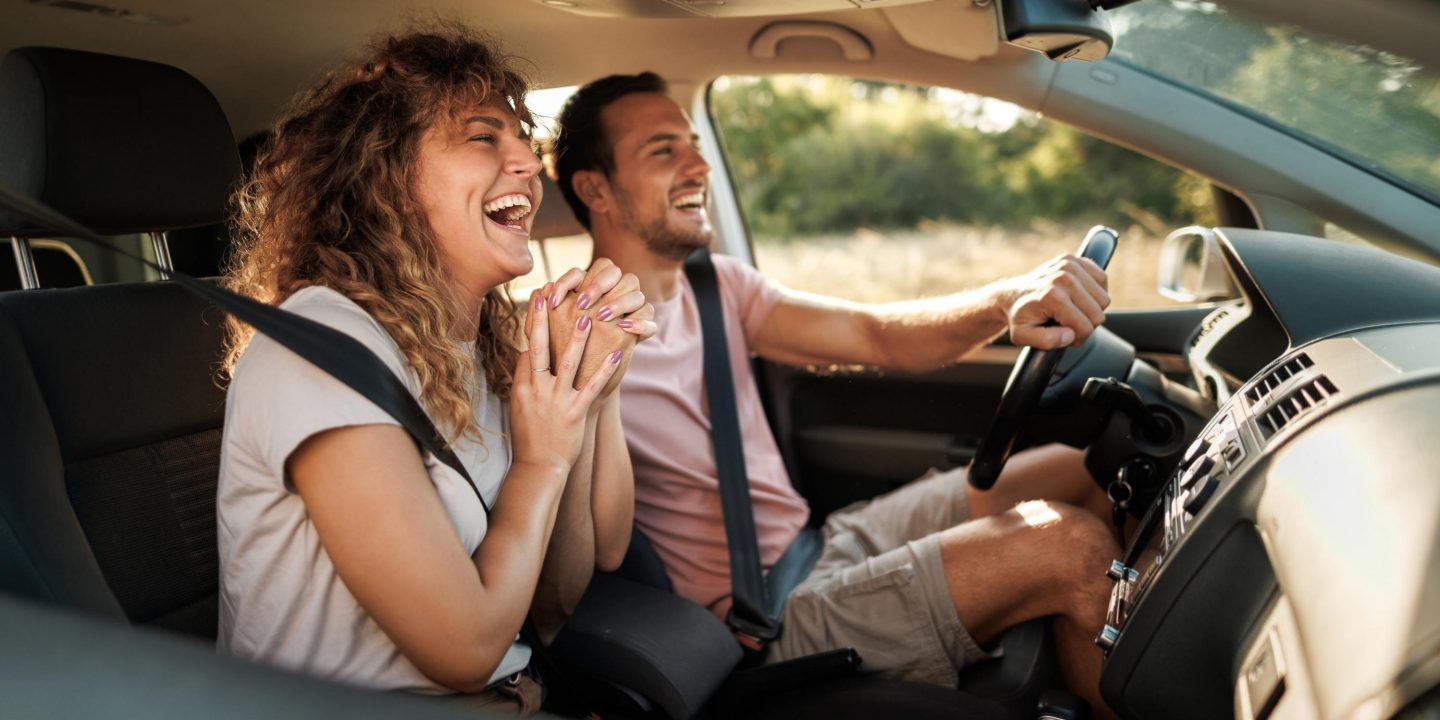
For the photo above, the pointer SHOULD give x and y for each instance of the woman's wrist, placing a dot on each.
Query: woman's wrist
(550, 470)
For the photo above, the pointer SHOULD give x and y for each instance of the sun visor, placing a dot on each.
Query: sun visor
(961, 30)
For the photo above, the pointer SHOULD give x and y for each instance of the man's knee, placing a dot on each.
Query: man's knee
(1078, 547)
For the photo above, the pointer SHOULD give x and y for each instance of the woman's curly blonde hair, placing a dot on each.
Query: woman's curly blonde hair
(332, 202)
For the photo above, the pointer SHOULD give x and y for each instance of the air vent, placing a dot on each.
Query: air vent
(1296, 403)
(1275, 378)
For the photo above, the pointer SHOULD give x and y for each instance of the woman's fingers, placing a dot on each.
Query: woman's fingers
(600, 280)
(536, 302)
(564, 284)
(597, 381)
(617, 307)
(569, 363)
(539, 334)
(641, 329)
(640, 323)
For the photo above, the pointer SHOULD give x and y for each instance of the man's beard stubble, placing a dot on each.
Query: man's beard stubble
(663, 240)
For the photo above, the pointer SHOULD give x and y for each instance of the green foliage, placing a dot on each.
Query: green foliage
(1380, 109)
(816, 154)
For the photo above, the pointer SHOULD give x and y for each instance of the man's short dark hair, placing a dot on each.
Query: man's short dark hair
(580, 143)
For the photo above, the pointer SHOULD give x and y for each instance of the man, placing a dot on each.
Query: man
(910, 580)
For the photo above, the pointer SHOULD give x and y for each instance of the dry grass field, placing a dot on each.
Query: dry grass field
(930, 260)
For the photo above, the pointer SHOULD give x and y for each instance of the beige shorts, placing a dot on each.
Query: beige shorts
(880, 587)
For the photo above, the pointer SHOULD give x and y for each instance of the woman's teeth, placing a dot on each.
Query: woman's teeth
(508, 210)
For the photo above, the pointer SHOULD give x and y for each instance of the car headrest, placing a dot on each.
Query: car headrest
(554, 218)
(121, 145)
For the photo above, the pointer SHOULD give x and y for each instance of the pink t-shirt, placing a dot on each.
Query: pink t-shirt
(667, 425)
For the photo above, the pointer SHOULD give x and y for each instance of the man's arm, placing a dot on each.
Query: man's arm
(926, 334)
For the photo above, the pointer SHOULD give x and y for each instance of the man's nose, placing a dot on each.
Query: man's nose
(695, 165)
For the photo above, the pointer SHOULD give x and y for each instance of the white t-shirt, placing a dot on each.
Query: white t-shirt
(281, 601)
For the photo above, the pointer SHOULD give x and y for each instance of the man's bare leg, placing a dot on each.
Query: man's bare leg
(1035, 560)
(1051, 472)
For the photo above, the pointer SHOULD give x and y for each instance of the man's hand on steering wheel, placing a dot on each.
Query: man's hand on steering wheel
(1056, 306)
(1069, 290)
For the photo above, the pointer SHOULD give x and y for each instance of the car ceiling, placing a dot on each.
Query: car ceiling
(256, 54)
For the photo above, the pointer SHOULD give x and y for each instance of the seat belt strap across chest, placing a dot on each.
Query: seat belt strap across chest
(748, 616)
(341, 356)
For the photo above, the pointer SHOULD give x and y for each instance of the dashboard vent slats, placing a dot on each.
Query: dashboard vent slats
(1273, 379)
(1299, 401)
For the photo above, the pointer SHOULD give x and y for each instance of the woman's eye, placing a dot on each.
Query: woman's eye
(483, 138)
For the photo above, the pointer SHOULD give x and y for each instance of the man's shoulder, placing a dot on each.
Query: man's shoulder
(738, 277)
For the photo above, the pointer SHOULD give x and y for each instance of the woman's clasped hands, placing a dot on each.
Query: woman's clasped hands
(581, 330)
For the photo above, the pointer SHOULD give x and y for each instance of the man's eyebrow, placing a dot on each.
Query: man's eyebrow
(667, 137)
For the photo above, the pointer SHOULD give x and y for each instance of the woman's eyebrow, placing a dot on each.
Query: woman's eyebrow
(490, 120)
(494, 122)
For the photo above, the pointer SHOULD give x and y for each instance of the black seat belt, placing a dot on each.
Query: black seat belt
(748, 618)
(756, 599)
(343, 357)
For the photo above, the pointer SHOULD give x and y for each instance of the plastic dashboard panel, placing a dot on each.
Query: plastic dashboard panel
(1305, 521)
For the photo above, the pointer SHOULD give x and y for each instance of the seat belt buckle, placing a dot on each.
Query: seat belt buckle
(748, 641)
(752, 635)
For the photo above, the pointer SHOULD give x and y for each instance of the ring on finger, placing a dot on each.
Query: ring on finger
(540, 370)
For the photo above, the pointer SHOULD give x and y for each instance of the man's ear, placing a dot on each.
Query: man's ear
(593, 189)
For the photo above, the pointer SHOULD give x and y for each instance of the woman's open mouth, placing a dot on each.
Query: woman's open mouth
(509, 212)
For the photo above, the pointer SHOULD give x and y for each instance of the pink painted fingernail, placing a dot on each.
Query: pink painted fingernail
(584, 323)
(584, 302)
(603, 315)
(626, 324)
(554, 301)
(614, 357)
(539, 302)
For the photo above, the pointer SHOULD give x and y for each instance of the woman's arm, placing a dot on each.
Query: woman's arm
(570, 557)
(392, 543)
(612, 494)
(391, 540)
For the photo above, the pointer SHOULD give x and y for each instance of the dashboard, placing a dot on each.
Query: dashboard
(1290, 566)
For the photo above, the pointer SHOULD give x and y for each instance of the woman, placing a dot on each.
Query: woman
(393, 204)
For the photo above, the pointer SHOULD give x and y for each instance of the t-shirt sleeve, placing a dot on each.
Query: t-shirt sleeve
(751, 295)
(284, 400)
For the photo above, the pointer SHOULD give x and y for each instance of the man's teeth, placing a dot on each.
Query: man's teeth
(691, 200)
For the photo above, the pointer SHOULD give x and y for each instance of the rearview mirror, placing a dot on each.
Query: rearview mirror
(1191, 269)
(1061, 29)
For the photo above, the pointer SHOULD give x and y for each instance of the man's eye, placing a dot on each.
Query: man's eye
(663, 151)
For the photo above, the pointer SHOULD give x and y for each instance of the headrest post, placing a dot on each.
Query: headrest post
(25, 263)
(160, 245)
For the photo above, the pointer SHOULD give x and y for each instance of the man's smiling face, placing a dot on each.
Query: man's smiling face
(660, 180)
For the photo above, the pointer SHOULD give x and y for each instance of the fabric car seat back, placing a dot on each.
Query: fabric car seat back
(110, 439)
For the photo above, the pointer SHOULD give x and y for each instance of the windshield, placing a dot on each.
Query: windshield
(1379, 110)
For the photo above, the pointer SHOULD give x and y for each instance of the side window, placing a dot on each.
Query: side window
(553, 255)
(877, 191)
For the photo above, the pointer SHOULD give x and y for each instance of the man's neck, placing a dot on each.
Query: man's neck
(659, 277)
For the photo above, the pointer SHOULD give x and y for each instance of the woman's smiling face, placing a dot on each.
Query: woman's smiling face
(478, 184)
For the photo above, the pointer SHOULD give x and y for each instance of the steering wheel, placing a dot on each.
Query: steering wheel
(1027, 382)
